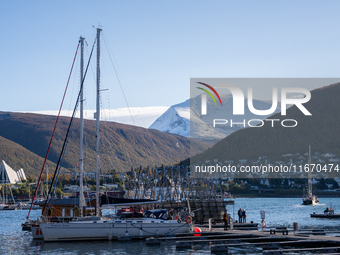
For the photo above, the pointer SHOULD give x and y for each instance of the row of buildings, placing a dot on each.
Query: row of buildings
(289, 158)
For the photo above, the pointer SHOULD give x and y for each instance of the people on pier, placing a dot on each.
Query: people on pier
(225, 220)
(331, 210)
(240, 215)
(244, 216)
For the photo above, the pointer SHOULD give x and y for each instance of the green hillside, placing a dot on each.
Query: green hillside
(18, 157)
(122, 146)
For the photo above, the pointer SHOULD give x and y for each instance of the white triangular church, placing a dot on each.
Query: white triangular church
(8, 175)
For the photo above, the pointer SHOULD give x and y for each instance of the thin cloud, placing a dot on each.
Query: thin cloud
(138, 116)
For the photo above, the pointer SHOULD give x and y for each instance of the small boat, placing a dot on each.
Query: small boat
(325, 215)
(227, 195)
(310, 200)
(26, 206)
(2, 206)
(10, 207)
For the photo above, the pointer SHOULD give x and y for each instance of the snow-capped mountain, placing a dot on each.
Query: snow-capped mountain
(176, 120)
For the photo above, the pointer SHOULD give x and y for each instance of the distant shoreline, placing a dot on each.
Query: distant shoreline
(264, 195)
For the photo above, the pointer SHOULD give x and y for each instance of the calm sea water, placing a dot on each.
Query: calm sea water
(278, 211)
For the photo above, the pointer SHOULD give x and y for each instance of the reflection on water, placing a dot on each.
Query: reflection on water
(115, 247)
(278, 211)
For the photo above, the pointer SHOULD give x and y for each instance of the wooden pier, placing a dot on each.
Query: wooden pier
(173, 189)
(231, 240)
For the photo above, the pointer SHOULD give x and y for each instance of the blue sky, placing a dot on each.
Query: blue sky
(159, 46)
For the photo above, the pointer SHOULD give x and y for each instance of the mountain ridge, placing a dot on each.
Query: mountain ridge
(122, 146)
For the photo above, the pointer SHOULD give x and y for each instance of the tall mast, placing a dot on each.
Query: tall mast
(81, 159)
(98, 118)
(46, 180)
(309, 174)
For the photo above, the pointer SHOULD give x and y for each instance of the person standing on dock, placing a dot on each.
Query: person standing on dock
(239, 215)
(225, 219)
(244, 216)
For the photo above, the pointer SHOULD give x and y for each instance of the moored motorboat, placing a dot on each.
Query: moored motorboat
(2, 206)
(10, 207)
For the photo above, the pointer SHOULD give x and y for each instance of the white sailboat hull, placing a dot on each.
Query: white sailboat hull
(310, 201)
(107, 230)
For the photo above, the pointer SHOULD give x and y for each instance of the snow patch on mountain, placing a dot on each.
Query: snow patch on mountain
(176, 120)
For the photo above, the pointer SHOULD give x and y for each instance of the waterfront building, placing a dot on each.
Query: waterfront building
(9, 176)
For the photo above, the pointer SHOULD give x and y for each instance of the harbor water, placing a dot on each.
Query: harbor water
(278, 212)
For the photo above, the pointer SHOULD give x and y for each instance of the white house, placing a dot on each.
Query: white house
(123, 176)
(111, 186)
(328, 155)
(71, 188)
(265, 182)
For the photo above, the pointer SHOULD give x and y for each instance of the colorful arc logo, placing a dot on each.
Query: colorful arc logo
(209, 93)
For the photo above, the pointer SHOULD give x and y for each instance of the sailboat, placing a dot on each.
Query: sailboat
(154, 223)
(309, 199)
(6, 190)
(3, 203)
